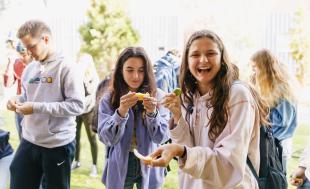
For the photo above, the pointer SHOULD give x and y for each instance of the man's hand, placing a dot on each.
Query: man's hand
(11, 104)
(25, 108)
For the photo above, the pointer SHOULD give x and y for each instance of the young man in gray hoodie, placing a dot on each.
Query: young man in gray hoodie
(52, 96)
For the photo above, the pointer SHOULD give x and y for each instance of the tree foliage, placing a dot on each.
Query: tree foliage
(299, 44)
(107, 32)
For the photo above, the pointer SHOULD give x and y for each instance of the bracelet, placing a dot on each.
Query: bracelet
(152, 114)
(184, 153)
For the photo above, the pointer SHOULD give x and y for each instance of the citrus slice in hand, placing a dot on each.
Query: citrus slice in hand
(177, 91)
(141, 157)
(142, 95)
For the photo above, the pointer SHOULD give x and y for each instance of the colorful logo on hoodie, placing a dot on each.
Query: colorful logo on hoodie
(37, 80)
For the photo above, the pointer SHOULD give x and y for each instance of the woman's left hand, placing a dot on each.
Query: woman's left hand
(164, 153)
(150, 104)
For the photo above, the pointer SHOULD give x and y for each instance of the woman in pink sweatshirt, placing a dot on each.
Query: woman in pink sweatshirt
(216, 121)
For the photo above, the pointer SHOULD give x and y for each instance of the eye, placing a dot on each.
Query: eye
(141, 71)
(129, 71)
(211, 54)
(195, 55)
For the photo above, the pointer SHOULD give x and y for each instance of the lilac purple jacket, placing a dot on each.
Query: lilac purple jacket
(116, 133)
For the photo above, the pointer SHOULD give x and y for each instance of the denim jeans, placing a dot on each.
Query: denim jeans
(306, 185)
(18, 123)
(133, 172)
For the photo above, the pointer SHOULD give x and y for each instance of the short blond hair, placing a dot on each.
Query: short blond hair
(35, 28)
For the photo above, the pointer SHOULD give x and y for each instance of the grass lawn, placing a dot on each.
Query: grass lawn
(82, 180)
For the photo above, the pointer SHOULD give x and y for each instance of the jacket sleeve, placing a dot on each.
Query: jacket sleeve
(72, 91)
(224, 164)
(157, 126)
(304, 160)
(181, 133)
(283, 115)
(111, 126)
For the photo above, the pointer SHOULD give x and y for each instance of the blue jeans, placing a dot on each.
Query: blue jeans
(133, 172)
(306, 185)
(18, 123)
(31, 162)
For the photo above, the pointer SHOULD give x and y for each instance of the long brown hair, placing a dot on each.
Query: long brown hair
(223, 80)
(119, 87)
(227, 74)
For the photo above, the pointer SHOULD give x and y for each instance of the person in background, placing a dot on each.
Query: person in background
(6, 157)
(126, 123)
(52, 96)
(167, 71)
(216, 120)
(90, 80)
(14, 75)
(11, 56)
(301, 176)
(275, 85)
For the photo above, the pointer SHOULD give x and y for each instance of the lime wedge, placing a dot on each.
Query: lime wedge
(177, 91)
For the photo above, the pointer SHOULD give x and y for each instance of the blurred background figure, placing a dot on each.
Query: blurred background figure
(11, 56)
(275, 85)
(13, 74)
(301, 176)
(6, 157)
(90, 80)
(167, 71)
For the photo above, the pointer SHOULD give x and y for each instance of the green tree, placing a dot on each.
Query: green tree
(107, 32)
(299, 45)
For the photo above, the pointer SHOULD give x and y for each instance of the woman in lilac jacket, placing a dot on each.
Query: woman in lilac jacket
(126, 122)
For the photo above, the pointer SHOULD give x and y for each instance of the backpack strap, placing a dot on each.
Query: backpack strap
(248, 161)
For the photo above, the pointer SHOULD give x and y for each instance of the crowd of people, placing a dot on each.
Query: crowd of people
(212, 128)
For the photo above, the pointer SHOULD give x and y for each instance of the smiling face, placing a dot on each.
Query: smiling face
(133, 73)
(204, 62)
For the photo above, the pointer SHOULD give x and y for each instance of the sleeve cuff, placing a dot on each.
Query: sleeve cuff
(178, 130)
(36, 107)
(118, 118)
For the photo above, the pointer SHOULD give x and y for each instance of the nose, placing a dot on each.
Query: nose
(203, 58)
(29, 52)
(136, 75)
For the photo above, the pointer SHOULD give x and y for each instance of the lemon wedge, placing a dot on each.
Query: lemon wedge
(140, 156)
(142, 95)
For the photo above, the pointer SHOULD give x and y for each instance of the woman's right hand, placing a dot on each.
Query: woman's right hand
(297, 177)
(172, 102)
(164, 154)
(126, 102)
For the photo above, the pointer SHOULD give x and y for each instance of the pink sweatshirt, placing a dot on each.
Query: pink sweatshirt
(222, 164)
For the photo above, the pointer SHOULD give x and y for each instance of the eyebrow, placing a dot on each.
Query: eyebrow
(129, 67)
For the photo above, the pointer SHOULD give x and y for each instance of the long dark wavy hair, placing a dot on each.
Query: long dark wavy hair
(118, 85)
(227, 74)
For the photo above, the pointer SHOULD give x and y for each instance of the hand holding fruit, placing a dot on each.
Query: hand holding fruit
(173, 103)
(126, 102)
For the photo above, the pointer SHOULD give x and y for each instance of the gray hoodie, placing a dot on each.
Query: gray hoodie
(55, 87)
